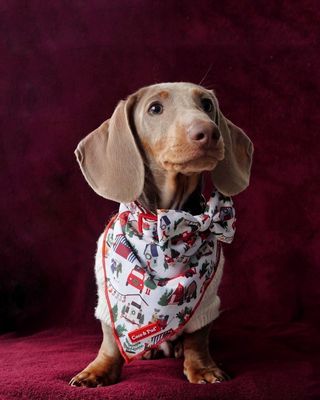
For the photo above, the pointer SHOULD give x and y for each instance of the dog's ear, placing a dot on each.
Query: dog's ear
(110, 159)
(231, 176)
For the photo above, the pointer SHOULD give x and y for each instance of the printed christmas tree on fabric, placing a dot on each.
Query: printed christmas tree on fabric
(204, 268)
(150, 282)
(115, 312)
(184, 315)
(121, 329)
(165, 298)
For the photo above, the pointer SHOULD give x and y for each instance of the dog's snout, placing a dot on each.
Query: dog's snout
(203, 133)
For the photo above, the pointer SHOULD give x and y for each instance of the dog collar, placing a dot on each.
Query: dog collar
(157, 267)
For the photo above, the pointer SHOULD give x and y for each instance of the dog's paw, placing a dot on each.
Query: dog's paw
(205, 375)
(92, 379)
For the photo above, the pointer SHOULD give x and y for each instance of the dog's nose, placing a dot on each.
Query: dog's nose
(203, 133)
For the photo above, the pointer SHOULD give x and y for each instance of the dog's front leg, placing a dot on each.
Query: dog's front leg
(105, 369)
(198, 365)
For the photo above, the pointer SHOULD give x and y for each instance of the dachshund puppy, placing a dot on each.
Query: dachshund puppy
(159, 261)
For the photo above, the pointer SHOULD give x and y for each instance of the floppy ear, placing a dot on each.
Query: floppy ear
(231, 176)
(110, 159)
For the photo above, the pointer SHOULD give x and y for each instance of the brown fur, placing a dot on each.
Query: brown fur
(105, 369)
(198, 365)
(136, 155)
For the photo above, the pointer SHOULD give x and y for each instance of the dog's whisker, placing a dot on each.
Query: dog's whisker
(206, 74)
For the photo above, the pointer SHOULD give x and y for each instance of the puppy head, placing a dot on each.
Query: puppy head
(177, 125)
(180, 128)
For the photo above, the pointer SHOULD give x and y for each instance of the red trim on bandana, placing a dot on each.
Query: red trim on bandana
(104, 255)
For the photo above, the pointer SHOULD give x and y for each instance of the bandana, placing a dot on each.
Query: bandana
(157, 268)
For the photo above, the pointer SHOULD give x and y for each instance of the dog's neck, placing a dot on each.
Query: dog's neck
(172, 190)
(176, 189)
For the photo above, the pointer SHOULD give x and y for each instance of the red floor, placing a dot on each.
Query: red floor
(274, 365)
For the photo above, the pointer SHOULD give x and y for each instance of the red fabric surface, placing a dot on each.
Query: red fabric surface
(63, 69)
(278, 364)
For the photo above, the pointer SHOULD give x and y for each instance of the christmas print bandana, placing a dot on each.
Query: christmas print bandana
(157, 268)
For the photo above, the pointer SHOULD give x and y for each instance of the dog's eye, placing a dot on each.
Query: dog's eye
(207, 105)
(155, 108)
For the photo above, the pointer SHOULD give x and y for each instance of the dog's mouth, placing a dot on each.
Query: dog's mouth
(193, 165)
(195, 162)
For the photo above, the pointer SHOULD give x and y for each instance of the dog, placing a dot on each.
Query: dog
(151, 156)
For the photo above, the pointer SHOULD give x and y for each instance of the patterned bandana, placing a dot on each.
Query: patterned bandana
(157, 268)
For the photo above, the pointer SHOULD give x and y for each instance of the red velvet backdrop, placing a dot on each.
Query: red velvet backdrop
(67, 64)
